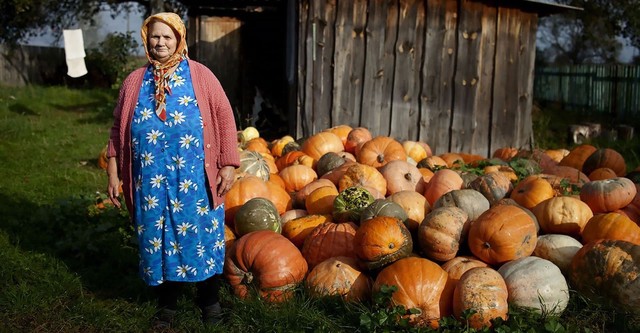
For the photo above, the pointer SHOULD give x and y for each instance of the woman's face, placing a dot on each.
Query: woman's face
(162, 41)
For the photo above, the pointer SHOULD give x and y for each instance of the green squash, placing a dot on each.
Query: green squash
(350, 203)
(384, 207)
(257, 214)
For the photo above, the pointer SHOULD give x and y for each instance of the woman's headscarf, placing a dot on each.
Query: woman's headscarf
(161, 71)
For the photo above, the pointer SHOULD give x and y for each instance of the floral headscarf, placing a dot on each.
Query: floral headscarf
(161, 71)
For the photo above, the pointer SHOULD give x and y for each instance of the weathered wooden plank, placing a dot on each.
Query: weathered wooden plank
(305, 70)
(381, 32)
(349, 58)
(323, 16)
(503, 119)
(439, 64)
(473, 83)
(525, 66)
(405, 107)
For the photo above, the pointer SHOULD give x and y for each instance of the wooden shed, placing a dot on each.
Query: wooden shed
(456, 74)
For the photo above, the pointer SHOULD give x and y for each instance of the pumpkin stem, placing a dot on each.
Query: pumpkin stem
(247, 278)
(391, 245)
(380, 158)
(408, 176)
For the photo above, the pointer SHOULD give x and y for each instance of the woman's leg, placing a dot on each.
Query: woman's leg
(207, 293)
(167, 293)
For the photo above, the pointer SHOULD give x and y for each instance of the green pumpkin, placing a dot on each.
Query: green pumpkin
(384, 207)
(350, 203)
(257, 214)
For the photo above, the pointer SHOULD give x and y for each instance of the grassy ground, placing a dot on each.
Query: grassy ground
(69, 266)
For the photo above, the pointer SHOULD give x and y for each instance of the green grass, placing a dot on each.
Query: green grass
(68, 266)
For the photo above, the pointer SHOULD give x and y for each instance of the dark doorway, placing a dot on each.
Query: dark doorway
(251, 61)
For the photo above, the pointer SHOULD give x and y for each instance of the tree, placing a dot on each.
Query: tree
(22, 19)
(592, 35)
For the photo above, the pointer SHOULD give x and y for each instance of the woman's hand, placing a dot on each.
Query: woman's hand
(113, 188)
(225, 180)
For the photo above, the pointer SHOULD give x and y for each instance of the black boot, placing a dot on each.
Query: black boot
(162, 320)
(212, 314)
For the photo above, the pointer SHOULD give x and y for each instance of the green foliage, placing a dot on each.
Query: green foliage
(113, 59)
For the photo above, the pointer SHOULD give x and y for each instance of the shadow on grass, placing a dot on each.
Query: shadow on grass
(22, 109)
(94, 243)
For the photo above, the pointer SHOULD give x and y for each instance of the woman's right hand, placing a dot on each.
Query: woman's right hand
(113, 188)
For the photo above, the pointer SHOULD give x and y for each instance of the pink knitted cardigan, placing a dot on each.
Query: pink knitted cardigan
(220, 139)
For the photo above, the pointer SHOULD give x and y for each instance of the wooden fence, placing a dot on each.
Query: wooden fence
(609, 89)
(24, 65)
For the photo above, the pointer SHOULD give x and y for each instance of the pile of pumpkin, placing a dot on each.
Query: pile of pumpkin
(344, 213)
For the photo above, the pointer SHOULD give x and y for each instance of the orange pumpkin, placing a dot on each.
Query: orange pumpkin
(421, 284)
(292, 158)
(320, 200)
(501, 234)
(531, 191)
(103, 161)
(484, 291)
(381, 150)
(278, 145)
(607, 271)
(452, 159)
(243, 190)
(557, 154)
(382, 240)
(443, 181)
(605, 158)
(267, 261)
(562, 215)
(577, 156)
(440, 233)
(321, 143)
(402, 176)
(432, 163)
(505, 153)
(459, 265)
(329, 240)
(356, 138)
(415, 150)
(364, 176)
(611, 226)
(297, 229)
(602, 173)
(414, 204)
(229, 236)
(296, 177)
(258, 145)
(342, 131)
(339, 276)
(609, 194)
(494, 186)
(300, 197)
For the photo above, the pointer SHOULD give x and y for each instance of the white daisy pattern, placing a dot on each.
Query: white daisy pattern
(185, 100)
(157, 180)
(168, 171)
(187, 140)
(178, 117)
(183, 228)
(147, 158)
(176, 205)
(152, 137)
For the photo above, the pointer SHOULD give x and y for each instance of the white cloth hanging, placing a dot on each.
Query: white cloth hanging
(74, 52)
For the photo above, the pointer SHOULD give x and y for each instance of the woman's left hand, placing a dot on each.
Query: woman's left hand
(225, 180)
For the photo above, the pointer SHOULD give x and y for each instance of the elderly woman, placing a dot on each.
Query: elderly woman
(173, 146)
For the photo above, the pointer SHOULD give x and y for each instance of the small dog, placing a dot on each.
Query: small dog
(579, 133)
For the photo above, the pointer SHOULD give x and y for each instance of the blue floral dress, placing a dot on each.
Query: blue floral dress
(181, 237)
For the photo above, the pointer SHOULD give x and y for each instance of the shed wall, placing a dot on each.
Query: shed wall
(456, 74)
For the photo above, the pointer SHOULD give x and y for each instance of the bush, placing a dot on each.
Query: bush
(112, 61)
